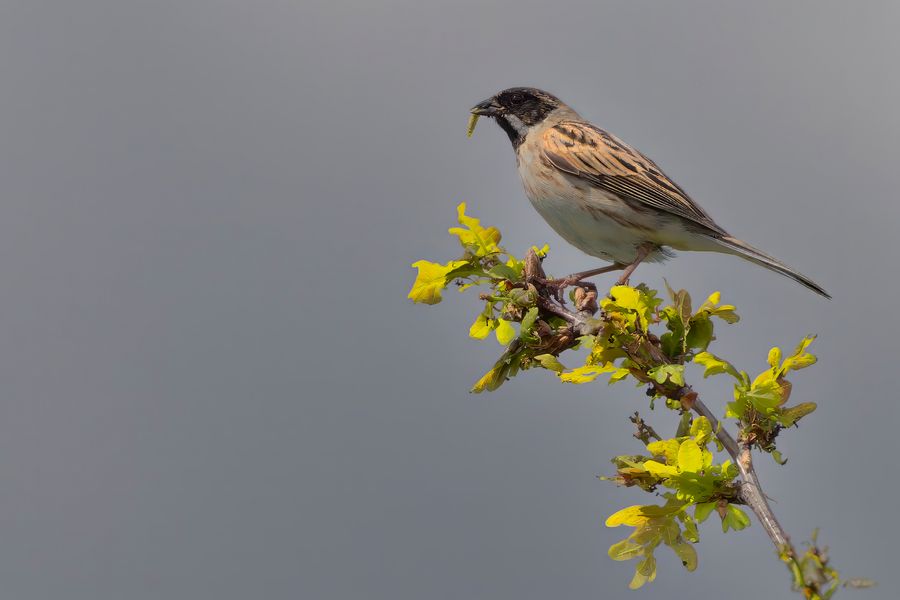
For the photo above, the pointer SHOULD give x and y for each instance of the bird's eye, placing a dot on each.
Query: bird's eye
(517, 99)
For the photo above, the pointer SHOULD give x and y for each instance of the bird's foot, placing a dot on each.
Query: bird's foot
(557, 287)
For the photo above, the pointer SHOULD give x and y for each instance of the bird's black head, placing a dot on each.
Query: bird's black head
(517, 110)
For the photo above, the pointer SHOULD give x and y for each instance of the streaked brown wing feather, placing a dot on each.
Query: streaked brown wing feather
(585, 151)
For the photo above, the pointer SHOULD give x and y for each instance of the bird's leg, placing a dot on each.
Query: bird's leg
(561, 284)
(576, 277)
(642, 252)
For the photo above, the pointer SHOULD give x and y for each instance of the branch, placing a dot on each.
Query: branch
(549, 326)
(583, 323)
(751, 492)
(642, 431)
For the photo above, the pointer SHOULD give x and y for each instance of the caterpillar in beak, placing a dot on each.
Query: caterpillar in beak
(473, 120)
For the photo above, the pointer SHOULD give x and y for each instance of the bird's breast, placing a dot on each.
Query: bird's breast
(593, 220)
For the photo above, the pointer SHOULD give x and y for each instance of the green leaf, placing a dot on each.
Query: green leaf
(653, 525)
(585, 374)
(663, 373)
(799, 362)
(800, 359)
(724, 312)
(480, 240)
(729, 470)
(659, 469)
(529, 319)
(542, 251)
(625, 550)
(774, 357)
(682, 301)
(667, 448)
(466, 269)
(791, 415)
(637, 581)
(505, 332)
(686, 553)
(690, 528)
(765, 395)
(684, 425)
(702, 511)
(701, 431)
(715, 365)
(644, 571)
(735, 410)
(482, 327)
(506, 367)
(633, 516)
(431, 280)
(619, 375)
(502, 271)
(548, 361)
(491, 380)
(586, 341)
(700, 333)
(671, 343)
(625, 299)
(521, 297)
(689, 457)
(803, 345)
(735, 518)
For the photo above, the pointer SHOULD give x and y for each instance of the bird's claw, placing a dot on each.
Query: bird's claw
(558, 286)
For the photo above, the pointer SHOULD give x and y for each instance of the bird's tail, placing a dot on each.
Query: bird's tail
(744, 250)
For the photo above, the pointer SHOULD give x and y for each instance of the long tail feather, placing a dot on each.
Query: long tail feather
(744, 250)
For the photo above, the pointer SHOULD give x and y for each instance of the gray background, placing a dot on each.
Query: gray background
(214, 387)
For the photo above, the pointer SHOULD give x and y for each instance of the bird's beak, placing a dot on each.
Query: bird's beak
(488, 108)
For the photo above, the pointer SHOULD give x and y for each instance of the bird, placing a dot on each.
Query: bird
(602, 195)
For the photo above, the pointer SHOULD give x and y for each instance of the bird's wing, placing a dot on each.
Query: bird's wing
(585, 151)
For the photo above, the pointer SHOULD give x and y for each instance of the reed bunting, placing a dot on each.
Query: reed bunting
(603, 196)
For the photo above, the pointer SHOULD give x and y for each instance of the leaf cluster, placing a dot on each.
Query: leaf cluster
(510, 311)
(685, 466)
(637, 336)
(760, 404)
(483, 262)
(813, 574)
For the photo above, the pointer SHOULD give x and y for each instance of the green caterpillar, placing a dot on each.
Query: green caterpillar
(473, 119)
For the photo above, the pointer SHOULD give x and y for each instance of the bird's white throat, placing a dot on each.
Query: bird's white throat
(517, 124)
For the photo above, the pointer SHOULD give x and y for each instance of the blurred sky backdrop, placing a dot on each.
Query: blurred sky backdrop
(213, 386)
